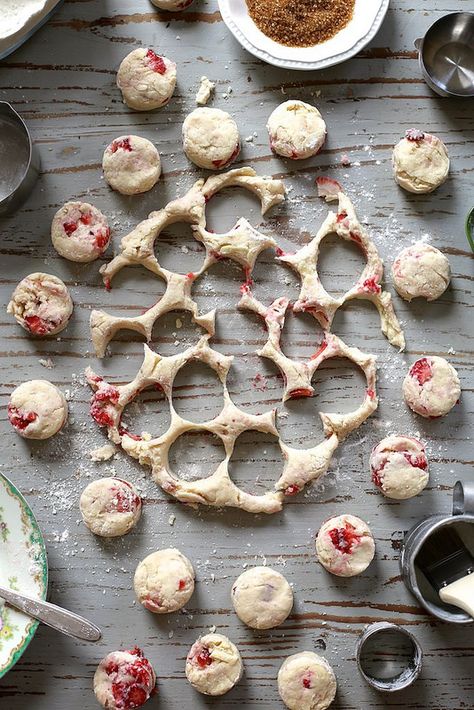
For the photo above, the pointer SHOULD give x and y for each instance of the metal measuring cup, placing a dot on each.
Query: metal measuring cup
(463, 518)
(19, 160)
(446, 55)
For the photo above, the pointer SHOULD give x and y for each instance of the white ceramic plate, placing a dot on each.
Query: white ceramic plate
(20, 25)
(23, 567)
(367, 19)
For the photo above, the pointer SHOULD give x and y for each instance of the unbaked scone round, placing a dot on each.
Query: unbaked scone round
(80, 232)
(146, 80)
(213, 665)
(124, 680)
(306, 681)
(210, 138)
(399, 467)
(164, 581)
(431, 388)
(421, 271)
(41, 304)
(262, 598)
(131, 165)
(420, 162)
(296, 130)
(345, 545)
(172, 5)
(110, 507)
(37, 409)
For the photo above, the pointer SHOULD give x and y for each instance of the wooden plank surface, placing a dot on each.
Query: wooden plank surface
(63, 83)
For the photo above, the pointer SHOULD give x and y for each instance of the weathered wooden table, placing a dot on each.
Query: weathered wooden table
(63, 83)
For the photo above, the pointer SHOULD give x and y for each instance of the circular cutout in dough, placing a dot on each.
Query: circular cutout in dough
(131, 165)
(172, 5)
(210, 138)
(420, 162)
(421, 271)
(124, 680)
(345, 545)
(213, 665)
(37, 409)
(399, 467)
(296, 130)
(262, 598)
(431, 387)
(41, 304)
(146, 80)
(80, 232)
(164, 581)
(306, 681)
(110, 507)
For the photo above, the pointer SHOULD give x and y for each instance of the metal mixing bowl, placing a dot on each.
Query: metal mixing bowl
(19, 160)
(446, 55)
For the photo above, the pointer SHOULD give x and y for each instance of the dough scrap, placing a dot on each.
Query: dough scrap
(110, 507)
(421, 271)
(262, 598)
(296, 130)
(420, 162)
(172, 5)
(80, 232)
(37, 409)
(137, 248)
(211, 138)
(164, 581)
(131, 165)
(399, 467)
(213, 665)
(345, 545)
(306, 681)
(313, 296)
(41, 304)
(431, 387)
(146, 80)
(205, 91)
(124, 680)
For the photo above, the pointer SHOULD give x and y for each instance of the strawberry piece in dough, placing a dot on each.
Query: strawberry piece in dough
(80, 232)
(124, 680)
(146, 79)
(131, 165)
(431, 388)
(164, 581)
(37, 409)
(110, 507)
(306, 681)
(399, 467)
(213, 665)
(345, 545)
(41, 304)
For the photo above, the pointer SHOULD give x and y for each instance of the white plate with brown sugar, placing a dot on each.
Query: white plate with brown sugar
(357, 29)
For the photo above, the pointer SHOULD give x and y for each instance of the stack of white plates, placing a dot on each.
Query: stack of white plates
(20, 19)
(366, 21)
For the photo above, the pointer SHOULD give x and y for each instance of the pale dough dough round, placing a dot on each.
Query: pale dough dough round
(41, 304)
(399, 467)
(210, 138)
(37, 409)
(420, 162)
(431, 388)
(296, 130)
(213, 665)
(131, 165)
(306, 681)
(146, 80)
(345, 545)
(124, 680)
(110, 507)
(80, 232)
(421, 271)
(262, 598)
(172, 5)
(164, 581)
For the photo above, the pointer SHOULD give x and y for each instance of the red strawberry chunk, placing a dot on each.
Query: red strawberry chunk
(344, 539)
(300, 392)
(413, 134)
(102, 238)
(292, 490)
(307, 680)
(181, 584)
(417, 461)
(69, 227)
(20, 420)
(124, 144)
(38, 325)
(421, 370)
(86, 218)
(328, 188)
(155, 62)
(203, 657)
(320, 350)
(371, 285)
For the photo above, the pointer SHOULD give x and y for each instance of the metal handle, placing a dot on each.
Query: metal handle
(418, 42)
(463, 498)
(60, 619)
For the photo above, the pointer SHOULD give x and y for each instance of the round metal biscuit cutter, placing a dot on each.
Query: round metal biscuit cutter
(378, 633)
(19, 160)
(446, 55)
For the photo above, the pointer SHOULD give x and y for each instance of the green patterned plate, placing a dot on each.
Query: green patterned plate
(23, 567)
